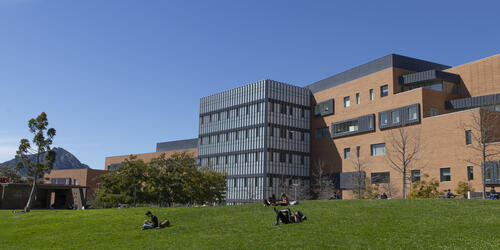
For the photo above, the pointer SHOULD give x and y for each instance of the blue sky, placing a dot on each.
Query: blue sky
(117, 76)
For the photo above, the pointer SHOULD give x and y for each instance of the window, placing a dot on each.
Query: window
(384, 119)
(235, 182)
(216, 160)
(271, 131)
(245, 182)
(415, 175)
(290, 135)
(468, 137)
(395, 116)
(227, 136)
(380, 177)
(290, 158)
(218, 116)
(283, 109)
(282, 132)
(256, 156)
(445, 174)
(247, 109)
(246, 133)
(317, 110)
(347, 153)
(470, 173)
(384, 91)
(282, 157)
(209, 139)
(258, 107)
(271, 107)
(257, 132)
(349, 126)
(371, 94)
(357, 98)
(358, 149)
(347, 101)
(256, 181)
(218, 138)
(412, 113)
(227, 114)
(237, 112)
(235, 158)
(271, 156)
(75, 182)
(236, 135)
(377, 149)
(302, 160)
(433, 112)
(290, 111)
(302, 112)
(302, 135)
(227, 159)
(246, 157)
(321, 132)
(270, 181)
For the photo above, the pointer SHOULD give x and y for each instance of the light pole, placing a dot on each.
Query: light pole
(295, 188)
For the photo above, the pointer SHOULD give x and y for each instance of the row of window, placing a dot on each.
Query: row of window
(384, 91)
(395, 116)
(245, 180)
(285, 109)
(227, 113)
(375, 150)
(444, 175)
(283, 132)
(282, 157)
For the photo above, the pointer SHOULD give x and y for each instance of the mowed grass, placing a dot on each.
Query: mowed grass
(348, 224)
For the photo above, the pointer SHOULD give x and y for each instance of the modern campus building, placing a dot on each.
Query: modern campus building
(272, 137)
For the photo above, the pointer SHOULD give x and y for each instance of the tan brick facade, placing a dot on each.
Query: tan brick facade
(146, 157)
(84, 177)
(442, 136)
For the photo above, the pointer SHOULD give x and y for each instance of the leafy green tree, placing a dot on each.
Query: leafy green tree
(44, 155)
(13, 175)
(125, 184)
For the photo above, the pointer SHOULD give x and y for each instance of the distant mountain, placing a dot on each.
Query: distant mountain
(64, 160)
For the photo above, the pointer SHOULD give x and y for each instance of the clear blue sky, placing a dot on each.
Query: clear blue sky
(115, 77)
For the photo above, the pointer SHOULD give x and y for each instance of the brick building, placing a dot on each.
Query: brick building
(350, 115)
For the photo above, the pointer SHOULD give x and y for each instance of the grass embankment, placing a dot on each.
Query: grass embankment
(362, 224)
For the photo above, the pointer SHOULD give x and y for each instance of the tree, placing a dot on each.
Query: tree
(321, 182)
(358, 176)
(44, 155)
(425, 189)
(126, 183)
(13, 175)
(484, 127)
(403, 152)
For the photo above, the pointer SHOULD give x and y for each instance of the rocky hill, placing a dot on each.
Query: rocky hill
(64, 160)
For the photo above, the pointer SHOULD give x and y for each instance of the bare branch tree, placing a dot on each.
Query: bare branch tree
(360, 167)
(321, 182)
(484, 130)
(403, 152)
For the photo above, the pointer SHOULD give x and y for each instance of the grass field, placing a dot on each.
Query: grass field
(365, 224)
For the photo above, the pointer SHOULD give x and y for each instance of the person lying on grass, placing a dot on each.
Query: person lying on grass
(287, 217)
(150, 224)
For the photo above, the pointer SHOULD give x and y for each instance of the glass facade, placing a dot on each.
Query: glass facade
(262, 135)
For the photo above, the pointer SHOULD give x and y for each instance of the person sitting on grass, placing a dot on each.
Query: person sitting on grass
(383, 196)
(150, 224)
(270, 201)
(335, 196)
(286, 217)
(493, 194)
(284, 200)
(448, 194)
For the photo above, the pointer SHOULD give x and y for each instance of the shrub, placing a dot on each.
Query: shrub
(463, 188)
(424, 189)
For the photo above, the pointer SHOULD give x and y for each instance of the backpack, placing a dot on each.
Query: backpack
(165, 223)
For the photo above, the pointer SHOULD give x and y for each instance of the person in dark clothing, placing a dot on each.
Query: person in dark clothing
(270, 201)
(286, 217)
(448, 194)
(284, 200)
(150, 224)
(493, 194)
(383, 196)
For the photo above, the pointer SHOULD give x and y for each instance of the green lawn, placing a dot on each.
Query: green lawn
(366, 224)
